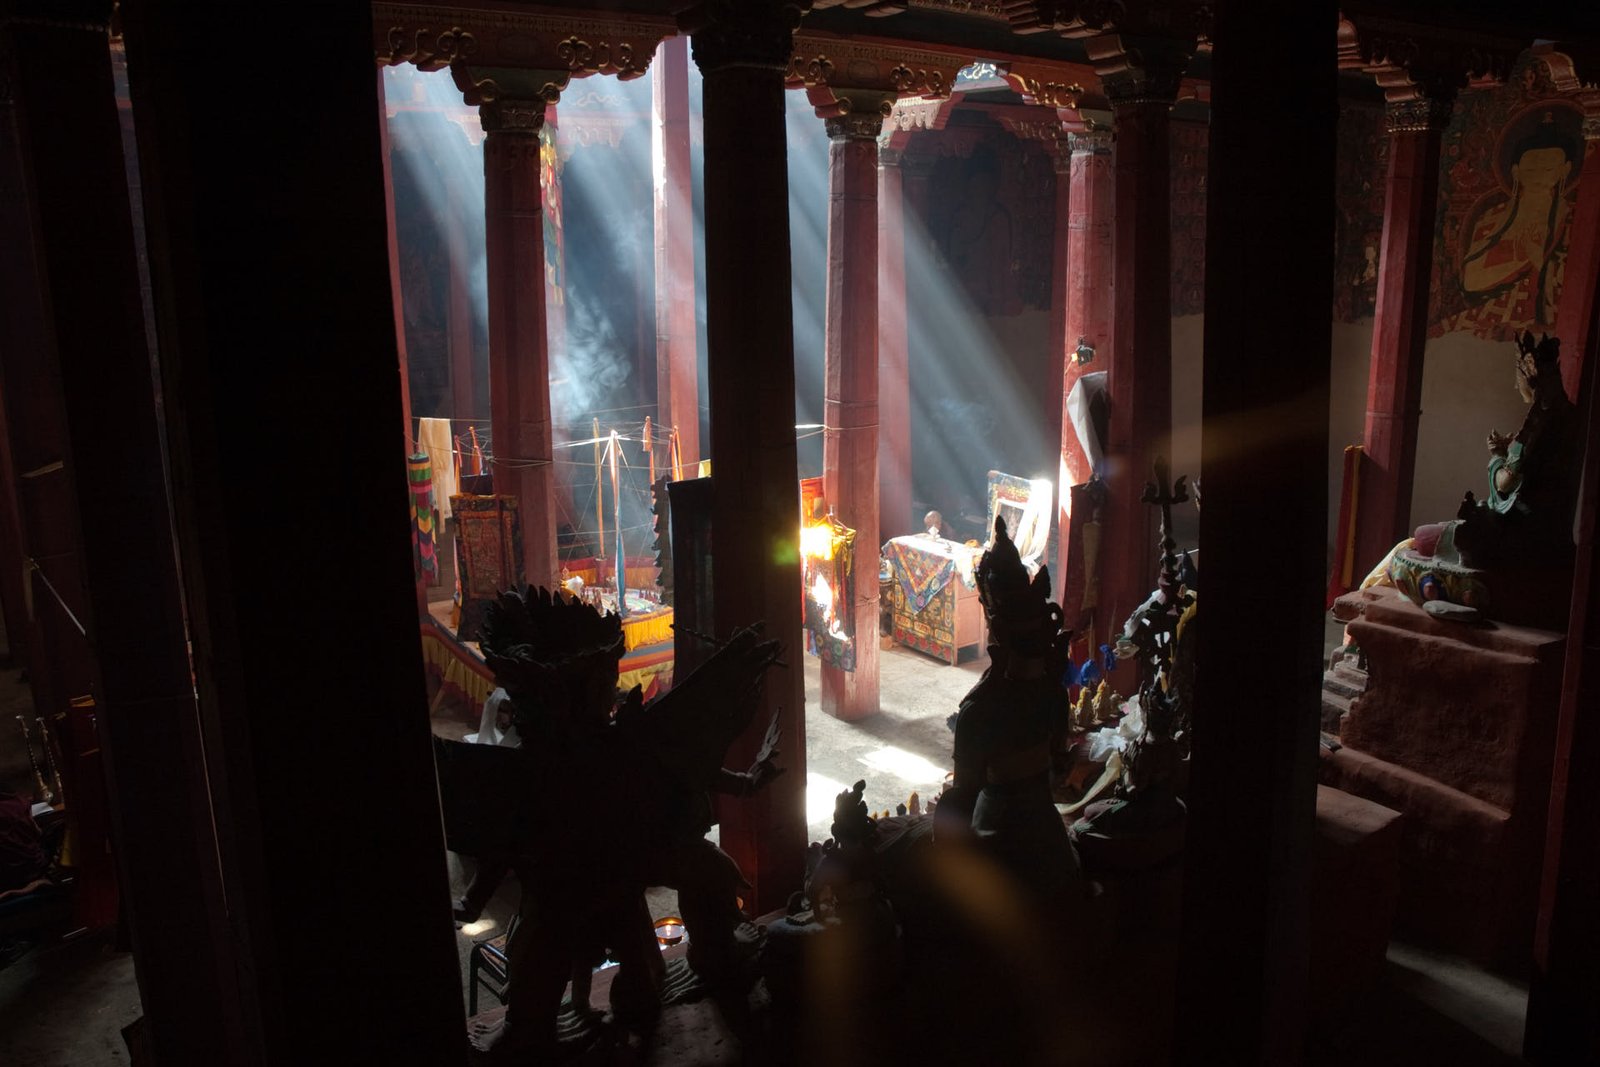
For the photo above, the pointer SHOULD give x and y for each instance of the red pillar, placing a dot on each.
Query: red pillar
(1400, 327)
(894, 374)
(1575, 313)
(1083, 214)
(1141, 359)
(519, 366)
(850, 389)
(677, 359)
(756, 513)
(396, 302)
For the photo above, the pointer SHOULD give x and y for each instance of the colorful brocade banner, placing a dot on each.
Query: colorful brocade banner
(425, 556)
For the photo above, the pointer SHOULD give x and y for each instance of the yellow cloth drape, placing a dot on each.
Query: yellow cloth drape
(641, 630)
(453, 670)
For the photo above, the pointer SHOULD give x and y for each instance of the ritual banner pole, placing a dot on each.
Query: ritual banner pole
(649, 450)
(599, 506)
(621, 565)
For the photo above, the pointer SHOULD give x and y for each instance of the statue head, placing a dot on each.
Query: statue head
(1538, 364)
(1022, 620)
(555, 657)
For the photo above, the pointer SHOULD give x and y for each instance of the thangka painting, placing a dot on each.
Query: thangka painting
(1508, 184)
(828, 554)
(992, 216)
(1188, 143)
(550, 190)
(1361, 167)
(488, 554)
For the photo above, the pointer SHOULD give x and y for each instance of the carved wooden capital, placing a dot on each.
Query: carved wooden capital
(1091, 142)
(856, 114)
(512, 116)
(1418, 114)
(1140, 71)
(742, 33)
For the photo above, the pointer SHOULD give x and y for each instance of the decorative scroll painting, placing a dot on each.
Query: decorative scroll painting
(550, 190)
(1188, 143)
(992, 217)
(488, 554)
(1361, 165)
(1508, 183)
(828, 551)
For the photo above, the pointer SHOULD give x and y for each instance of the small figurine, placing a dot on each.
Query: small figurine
(1106, 703)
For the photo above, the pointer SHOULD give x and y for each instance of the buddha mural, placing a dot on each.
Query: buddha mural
(1515, 238)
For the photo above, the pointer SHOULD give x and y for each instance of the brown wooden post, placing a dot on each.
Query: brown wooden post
(1400, 326)
(894, 372)
(1562, 1026)
(1575, 312)
(743, 53)
(1264, 445)
(850, 388)
(519, 364)
(86, 378)
(677, 358)
(234, 380)
(1140, 366)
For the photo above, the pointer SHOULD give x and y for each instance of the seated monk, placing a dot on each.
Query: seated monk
(1527, 516)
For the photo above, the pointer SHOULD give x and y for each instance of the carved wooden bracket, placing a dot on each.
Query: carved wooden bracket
(987, 9)
(1421, 68)
(742, 33)
(517, 61)
(1141, 70)
(1575, 70)
(1045, 85)
(854, 85)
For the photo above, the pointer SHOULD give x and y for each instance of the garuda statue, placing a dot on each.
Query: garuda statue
(601, 801)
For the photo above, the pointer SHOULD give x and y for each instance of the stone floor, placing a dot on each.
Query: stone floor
(66, 1004)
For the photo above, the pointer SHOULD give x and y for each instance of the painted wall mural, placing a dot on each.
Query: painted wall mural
(1508, 182)
(1361, 162)
(993, 219)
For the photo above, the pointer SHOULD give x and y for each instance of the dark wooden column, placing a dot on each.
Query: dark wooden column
(268, 257)
(850, 387)
(677, 349)
(1264, 444)
(1085, 288)
(1562, 1026)
(1142, 82)
(85, 368)
(519, 359)
(894, 370)
(1400, 326)
(1575, 313)
(743, 54)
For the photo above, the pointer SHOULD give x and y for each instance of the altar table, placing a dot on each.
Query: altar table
(935, 597)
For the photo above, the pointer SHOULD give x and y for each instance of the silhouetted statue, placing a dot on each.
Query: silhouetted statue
(601, 801)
